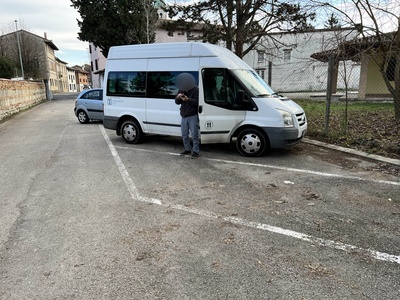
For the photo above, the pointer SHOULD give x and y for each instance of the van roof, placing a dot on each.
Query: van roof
(168, 50)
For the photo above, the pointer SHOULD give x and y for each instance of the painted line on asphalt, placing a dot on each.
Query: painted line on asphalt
(311, 172)
(234, 220)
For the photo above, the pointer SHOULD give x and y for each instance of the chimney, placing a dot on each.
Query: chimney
(45, 35)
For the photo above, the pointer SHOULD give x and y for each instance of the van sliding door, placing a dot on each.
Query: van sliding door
(162, 114)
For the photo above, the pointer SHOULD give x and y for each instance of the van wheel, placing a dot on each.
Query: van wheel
(83, 118)
(131, 132)
(251, 142)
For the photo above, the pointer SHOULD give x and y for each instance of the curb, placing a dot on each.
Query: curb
(355, 152)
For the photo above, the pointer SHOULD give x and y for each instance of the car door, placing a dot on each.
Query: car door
(93, 101)
(219, 113)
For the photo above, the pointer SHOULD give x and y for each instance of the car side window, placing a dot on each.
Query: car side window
(93, 95)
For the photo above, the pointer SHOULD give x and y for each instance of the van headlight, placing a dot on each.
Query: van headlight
(287, 118)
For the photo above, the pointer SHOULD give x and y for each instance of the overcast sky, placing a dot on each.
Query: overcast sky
(55, 17)
(58, 19)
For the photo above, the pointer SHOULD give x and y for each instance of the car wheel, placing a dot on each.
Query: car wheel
(131, 132)
(83, 118)
(251, 142)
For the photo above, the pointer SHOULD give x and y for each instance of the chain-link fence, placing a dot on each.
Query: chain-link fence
(310, 81)
(299, 66)
(354, 73)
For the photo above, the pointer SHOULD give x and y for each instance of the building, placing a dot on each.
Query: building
(98, 65)
(38, 57)
(374, 56)
(61, 83)
(284, 60)
(82, 78)
(72, 85)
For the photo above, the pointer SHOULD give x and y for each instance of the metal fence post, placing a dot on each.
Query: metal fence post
(328, 94)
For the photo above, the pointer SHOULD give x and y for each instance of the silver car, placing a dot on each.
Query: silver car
(89, 105)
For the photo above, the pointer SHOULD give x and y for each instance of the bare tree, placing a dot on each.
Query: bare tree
(379, 23)
(241, 24)
(151, 18)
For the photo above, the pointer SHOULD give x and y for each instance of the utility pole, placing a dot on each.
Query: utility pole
(19, 51)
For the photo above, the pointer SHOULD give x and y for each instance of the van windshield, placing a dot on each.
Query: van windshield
(254, 83)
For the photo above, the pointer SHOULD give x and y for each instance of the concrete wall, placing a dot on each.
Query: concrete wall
(18, 95)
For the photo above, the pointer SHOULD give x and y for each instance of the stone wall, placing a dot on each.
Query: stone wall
(19, 95)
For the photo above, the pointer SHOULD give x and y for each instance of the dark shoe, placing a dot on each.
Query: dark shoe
(186, 152)
(194, 155)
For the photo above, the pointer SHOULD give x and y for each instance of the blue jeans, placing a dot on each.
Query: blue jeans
(191, 124)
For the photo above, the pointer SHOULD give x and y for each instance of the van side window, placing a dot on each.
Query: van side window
(162, 84)
(126, 84)
(221, 89)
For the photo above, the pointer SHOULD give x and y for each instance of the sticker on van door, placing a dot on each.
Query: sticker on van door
(209, 125)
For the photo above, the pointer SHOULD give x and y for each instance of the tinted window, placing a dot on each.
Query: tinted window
(126, 84)
(162, 84)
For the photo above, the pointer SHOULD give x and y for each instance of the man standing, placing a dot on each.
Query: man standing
(188, 99)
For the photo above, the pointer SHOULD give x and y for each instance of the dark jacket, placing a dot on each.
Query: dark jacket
(190, 107)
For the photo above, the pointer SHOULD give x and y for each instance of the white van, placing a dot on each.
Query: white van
(235, 104)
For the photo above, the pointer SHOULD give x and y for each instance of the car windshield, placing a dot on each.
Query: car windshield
(254, 83)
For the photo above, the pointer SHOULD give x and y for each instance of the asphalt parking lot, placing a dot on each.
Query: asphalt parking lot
(86, 216)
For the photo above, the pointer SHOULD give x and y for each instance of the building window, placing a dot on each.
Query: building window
(261, 72)
(96, 62)
(170, 33)
(287, 55)
(261, 57)
(90, 48)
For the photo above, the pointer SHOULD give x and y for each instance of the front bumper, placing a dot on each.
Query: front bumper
(283, 137)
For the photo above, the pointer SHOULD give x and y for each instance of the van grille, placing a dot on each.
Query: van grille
(301, 119)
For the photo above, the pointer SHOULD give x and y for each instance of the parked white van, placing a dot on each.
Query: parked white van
(235, 104)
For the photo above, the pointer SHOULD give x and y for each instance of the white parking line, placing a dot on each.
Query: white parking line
(234, 220)
(324, 174)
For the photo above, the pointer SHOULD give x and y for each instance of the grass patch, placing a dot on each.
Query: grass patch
(370, 127)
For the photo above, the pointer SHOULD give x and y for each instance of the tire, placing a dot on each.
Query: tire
(131, 132)
(251, 142)
(83, 118)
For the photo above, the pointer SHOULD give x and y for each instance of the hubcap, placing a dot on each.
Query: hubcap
(82, 116)
(129, 132)
(250, 143)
